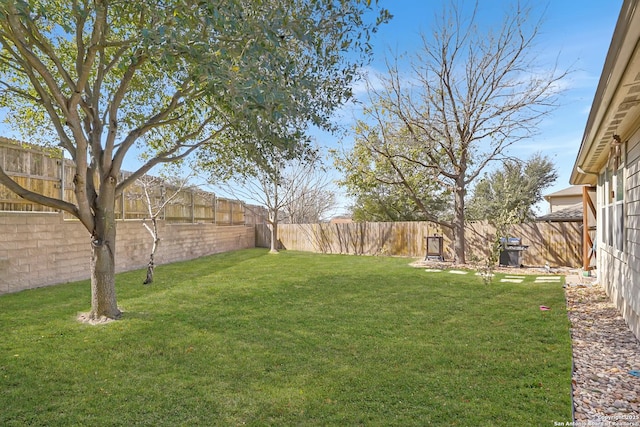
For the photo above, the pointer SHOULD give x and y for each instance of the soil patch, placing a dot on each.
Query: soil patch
(86, 318)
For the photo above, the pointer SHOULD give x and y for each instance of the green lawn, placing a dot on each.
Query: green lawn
(289, 339)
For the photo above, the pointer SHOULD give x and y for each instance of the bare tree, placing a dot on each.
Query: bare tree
(293, 190)
(470, 95)
(311, 197)
(157, 193)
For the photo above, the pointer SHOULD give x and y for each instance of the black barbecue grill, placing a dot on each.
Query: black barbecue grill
(511, 251)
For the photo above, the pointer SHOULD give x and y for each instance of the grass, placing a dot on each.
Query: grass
(289, 339)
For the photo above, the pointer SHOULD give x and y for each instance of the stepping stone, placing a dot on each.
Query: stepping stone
(458, 272)
(549, 278)
(514, 277)
(433, 270)
(546, 281)
(512, 280)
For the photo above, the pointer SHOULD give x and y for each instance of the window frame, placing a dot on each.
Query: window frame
(613, 184)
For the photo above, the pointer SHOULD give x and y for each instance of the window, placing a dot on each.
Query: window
(612, 183)
(618, 225)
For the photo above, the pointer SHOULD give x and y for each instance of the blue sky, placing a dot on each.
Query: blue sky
(575, 33)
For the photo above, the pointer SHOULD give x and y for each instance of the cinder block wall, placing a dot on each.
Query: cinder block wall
(42, 249)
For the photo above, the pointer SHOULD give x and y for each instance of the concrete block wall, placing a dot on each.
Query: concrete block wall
(178, 242)
(42, 249)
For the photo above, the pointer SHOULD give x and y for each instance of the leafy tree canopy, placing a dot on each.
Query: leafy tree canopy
(383, 183)
(510, 193)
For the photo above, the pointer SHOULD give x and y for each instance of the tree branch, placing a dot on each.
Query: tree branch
(39, 198)
(168, 157)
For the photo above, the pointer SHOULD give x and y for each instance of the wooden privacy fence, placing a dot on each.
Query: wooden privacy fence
(37, 169)
(45, 171)
(559, 244)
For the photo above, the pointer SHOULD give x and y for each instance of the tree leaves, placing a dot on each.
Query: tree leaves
(381, 173)
(507, 195)
(238, 81)
(173, 74)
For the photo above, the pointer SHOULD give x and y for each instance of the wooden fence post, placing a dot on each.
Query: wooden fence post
(163, 197)
(123, 198)
(244, 212)
(193, 213)
(62, 178)
(215, 209)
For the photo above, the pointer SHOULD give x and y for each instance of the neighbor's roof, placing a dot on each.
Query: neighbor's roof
(571, 213)
(616, 105)
(574, 190)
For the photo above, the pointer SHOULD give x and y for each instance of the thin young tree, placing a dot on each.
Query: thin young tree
(289, 187)
(157, 194)
(471, 94)
(312, 197)
(104, 79)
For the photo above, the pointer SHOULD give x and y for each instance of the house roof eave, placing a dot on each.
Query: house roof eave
(616, 103)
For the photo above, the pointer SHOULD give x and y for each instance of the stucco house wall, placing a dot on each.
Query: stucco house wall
(560, 203)
(564, 198)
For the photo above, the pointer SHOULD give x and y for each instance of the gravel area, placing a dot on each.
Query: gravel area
(606, 358)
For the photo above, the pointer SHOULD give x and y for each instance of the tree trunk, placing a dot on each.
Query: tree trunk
(149, 279)
(274, 234)
(459, 240)
(103, 282)
(154, 234)
(103, 245)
